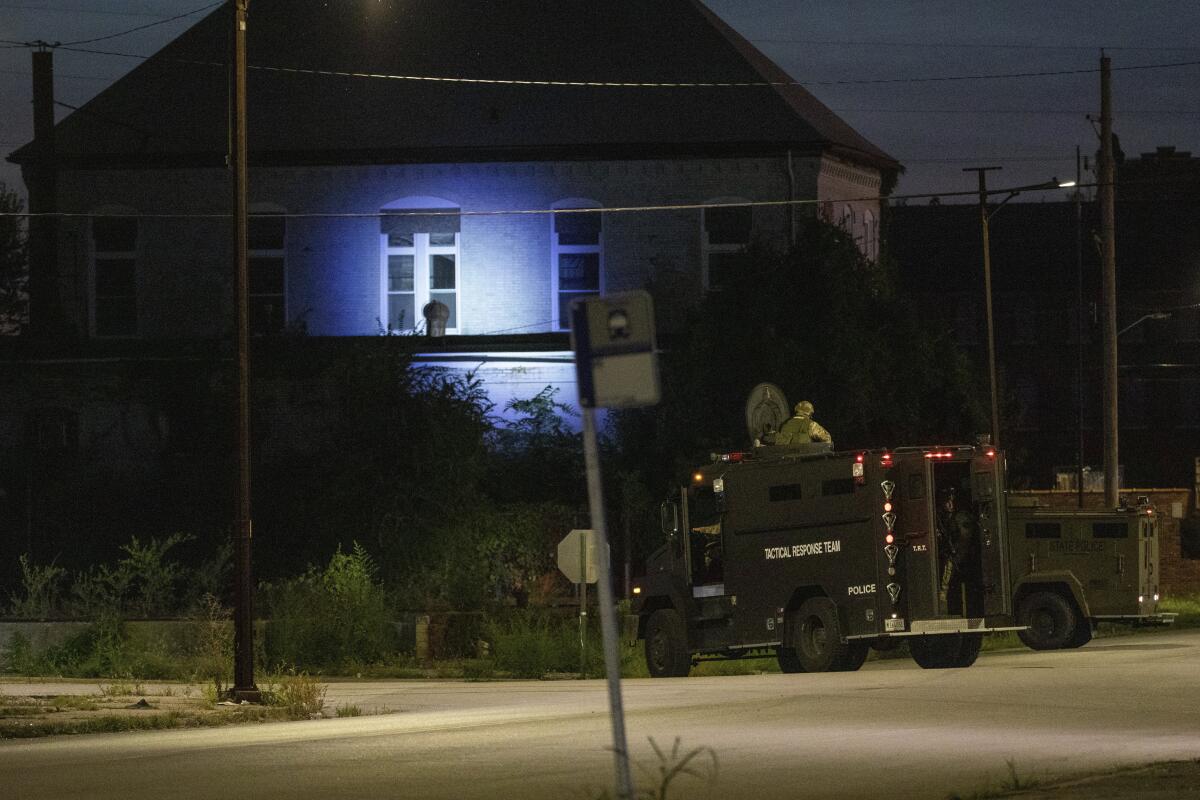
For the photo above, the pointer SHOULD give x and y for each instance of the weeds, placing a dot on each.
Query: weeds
(348, 711)
(298, 694)
(39, 590)
(699, 763)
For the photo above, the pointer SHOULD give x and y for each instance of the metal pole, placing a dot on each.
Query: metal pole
(608, 616)
(583, 547)
(1079, 327)
(244, 687)
(987, 298)
(1108, 259)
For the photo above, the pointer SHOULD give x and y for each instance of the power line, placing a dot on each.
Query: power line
(78, 11)
(965, 45)
(147, 25)
(531, 212)
(639, 84)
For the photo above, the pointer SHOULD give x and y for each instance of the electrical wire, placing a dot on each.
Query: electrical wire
(640, 84)
(536, 211)
(147, 25)
(964, 45)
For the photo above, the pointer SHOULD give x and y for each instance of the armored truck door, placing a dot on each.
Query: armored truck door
(1148, 568)
(987, 490)
(1115, 552)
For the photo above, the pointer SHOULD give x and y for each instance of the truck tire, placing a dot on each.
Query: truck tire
(856, 656)
(667, 653)
(817, 637)
(1051, 621)
(789, 662)
(941, 651)
(968, 649)
(1082, 635)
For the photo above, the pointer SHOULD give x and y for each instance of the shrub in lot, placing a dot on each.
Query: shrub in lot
(330, 616)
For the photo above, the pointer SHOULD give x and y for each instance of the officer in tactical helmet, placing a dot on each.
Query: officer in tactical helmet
(802, 428)
(958, 536)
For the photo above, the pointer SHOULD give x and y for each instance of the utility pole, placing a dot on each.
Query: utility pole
(1079, 325)
(45, 317)
(1108, 262)
(244, 687)
(987, 296)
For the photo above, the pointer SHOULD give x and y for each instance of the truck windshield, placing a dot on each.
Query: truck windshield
(704, 511)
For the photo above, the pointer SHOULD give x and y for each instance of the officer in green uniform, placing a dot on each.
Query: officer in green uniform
(802, 428)
(958, 539)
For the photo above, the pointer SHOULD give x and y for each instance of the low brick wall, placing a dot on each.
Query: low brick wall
(1180, 574)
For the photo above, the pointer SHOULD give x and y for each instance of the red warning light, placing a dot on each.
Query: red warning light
(887, 506)
(991, 453)
(889, 538)
(859, 458)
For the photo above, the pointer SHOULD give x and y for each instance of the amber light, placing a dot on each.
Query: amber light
(699, 476)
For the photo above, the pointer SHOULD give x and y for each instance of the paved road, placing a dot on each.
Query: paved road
(891, 730)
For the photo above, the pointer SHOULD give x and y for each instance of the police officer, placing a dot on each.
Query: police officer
(957, 549)
(802, 428)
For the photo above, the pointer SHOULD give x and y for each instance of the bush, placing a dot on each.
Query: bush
(39, 596)
(526, 645)
(332, 616)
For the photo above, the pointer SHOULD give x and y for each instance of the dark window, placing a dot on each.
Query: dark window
(267, 274)
(115, 276)
(266, 233)
(1043, 530)
(115, 234)
(787, 491)
(728, 225)
(578, 228)
(837, 486)
(1110, 530)
(579, 272)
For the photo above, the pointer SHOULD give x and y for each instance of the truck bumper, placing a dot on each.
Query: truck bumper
(1138, 620)
(927, 627)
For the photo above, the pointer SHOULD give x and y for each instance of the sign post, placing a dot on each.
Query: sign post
(577, 560)
(616, 366)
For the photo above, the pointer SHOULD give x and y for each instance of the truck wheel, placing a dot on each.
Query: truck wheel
(667, 653)
(937, 652)
(1051, 621)
(817, 637)
(968, 649)
(789, 662)
(1082, 634)
(856, 655)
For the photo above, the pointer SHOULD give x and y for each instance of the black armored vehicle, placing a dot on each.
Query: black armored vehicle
(1073, 569)
(816, 555)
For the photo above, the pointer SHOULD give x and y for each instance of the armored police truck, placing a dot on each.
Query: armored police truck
(816, 555)
(1073, 569)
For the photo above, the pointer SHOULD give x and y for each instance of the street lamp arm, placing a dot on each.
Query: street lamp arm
(1144, 317)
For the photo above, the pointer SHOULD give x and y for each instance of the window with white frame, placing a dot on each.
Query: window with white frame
(268, 274)
(114, 309)
(870, 236)
(726, 236)
(420, 265)
(576, 260)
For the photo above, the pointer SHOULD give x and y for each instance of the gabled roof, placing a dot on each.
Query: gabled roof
(171, 109)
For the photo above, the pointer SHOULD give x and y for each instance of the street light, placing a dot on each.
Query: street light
(1144, 317)
(984, 217)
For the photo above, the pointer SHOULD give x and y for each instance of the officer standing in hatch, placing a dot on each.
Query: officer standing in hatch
(802, 428)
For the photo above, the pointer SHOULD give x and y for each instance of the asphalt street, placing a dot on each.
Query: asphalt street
(891, 730)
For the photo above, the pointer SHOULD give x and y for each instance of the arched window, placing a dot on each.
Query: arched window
(113, 279)
(725, 234)
(870, 236)
(420, 261)
(268, 269)
(576, 257)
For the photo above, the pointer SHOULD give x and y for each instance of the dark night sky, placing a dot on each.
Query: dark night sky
(1030, 126)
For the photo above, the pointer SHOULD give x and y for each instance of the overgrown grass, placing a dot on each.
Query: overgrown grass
(1186, 606)
(298, 694)
(113, 723)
